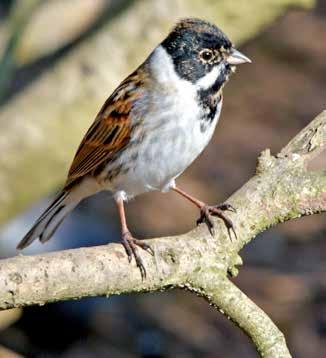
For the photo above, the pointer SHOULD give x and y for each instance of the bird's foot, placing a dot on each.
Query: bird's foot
(130, 244)
(206, 213)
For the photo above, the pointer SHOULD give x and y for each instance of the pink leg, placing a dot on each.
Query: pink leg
(129, 242)
(207, 211)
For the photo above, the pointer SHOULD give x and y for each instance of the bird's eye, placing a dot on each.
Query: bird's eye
(206, 55)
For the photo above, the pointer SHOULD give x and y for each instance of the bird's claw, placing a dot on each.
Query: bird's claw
(226, 207)
(205, 217)
(130, 244)
(206, 212)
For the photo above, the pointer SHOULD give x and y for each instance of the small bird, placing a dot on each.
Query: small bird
(151, 128)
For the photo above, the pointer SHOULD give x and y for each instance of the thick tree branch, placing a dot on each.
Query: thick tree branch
(282, 189)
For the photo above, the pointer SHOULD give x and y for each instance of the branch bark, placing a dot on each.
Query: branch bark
(282, 189)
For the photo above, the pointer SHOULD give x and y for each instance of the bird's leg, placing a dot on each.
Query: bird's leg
(129, 242)
(206, 211)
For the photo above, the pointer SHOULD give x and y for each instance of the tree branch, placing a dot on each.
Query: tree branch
(235, 305)
(282, 189)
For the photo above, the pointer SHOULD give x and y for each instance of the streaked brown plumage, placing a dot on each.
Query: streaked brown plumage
(110, 131)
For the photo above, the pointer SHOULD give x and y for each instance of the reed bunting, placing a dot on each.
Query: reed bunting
(153, 126)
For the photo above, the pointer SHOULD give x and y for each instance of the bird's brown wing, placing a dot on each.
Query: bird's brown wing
(110, 132)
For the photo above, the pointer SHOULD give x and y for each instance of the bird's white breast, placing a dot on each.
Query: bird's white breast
(171, 133)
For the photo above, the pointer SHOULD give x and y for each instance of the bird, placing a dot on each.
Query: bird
(150, 129)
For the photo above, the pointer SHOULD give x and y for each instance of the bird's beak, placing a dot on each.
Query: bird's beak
(237, 58)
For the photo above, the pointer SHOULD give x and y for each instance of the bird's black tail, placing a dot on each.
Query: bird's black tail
(49, 221)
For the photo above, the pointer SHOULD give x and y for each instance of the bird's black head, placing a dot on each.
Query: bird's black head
(196, 47)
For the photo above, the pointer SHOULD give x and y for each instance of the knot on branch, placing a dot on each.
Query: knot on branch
(309, 142)
(233, 269)
(265, 161)
(318, 136)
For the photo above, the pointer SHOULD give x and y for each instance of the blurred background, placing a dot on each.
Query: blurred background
(59, 60)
